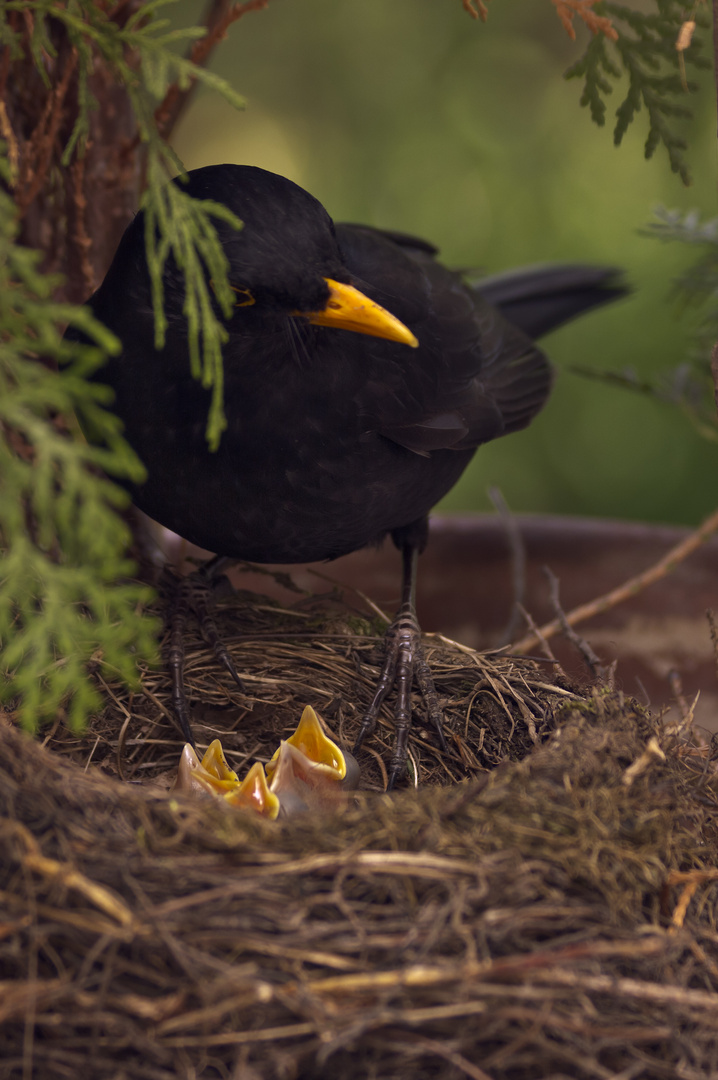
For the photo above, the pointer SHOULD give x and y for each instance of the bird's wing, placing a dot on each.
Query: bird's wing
(510, 387)
(474, 377)
(541, 298)
(401, 239)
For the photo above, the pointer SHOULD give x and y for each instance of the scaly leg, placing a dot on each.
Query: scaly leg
(191, 598)
(404, 662)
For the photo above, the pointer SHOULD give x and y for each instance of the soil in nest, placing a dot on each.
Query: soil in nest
(543, 906)
(321, 653)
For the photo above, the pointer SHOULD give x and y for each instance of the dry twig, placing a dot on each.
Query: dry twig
(592, 660)
(476, 9)
(629, 588)
(597, 24)
(219, 18)
(514, 922)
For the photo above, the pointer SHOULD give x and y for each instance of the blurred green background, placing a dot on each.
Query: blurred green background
(408, 114)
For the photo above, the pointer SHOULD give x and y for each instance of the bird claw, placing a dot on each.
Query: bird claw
(404, 663)
(191, 597)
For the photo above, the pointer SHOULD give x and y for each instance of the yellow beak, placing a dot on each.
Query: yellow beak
(308, 770)
(212, 775)
(349, 309)
(324, 758)
(254, 794)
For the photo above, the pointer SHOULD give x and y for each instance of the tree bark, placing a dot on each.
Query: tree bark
(74, 213)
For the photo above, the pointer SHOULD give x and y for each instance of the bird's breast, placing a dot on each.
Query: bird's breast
(301, 473)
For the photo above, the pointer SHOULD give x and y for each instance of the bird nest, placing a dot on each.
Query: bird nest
(543, 906)
(319, 652)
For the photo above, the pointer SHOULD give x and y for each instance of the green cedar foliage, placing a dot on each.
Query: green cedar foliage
(689, 386)
(184, 224)
(699, 282)
(66, 604)
(645, 52)
(62, 605)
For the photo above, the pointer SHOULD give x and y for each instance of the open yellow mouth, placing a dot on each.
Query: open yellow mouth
(308, 770)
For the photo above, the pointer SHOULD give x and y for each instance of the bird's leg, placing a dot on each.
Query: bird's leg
(208, 629)
(191, 597)
(404, 662)
(175, 658)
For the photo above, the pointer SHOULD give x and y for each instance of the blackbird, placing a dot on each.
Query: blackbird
(360, 377)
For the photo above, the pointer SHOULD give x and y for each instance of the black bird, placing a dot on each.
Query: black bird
(344, 423)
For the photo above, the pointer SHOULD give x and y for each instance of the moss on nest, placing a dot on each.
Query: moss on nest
(543, 906)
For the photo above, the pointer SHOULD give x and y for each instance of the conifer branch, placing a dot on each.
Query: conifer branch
(651, 50)
(220, 17)
(644, 50)
(138, 50)
(63, 611)
(597, 24)
(689, 387)
(477, 9)
(65, 606)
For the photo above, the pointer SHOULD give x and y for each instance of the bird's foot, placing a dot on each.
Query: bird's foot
(192, 598)
(405, 662)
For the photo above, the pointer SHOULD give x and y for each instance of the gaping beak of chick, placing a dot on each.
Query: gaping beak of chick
(254, 794)
(308, 770)
(210, 776)
(349, 309)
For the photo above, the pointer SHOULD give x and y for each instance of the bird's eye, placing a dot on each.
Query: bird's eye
(247, 298)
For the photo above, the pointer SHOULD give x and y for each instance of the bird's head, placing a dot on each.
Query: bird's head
(285, 260)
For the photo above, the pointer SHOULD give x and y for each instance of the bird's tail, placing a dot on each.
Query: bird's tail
(538, 299)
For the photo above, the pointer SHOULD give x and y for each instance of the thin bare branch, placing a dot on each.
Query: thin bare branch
(219, 18)
(634, 585)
